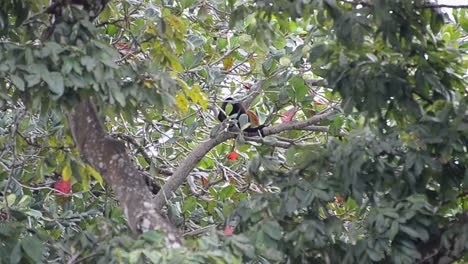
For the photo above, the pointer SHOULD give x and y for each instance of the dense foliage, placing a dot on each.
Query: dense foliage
(380, 178)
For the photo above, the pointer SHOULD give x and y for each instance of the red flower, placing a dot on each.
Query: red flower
(232, 156)
(229, 231)
(288, 115)
(63, 186)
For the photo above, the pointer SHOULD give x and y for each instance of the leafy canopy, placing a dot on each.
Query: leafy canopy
(385, 183)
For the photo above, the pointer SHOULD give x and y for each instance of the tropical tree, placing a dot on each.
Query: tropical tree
(112, 150)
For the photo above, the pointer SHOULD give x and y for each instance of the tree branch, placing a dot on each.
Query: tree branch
(186, 166)
(278, 143)
(423, 6)
(189, 163)
(297, 125)
(109, 157)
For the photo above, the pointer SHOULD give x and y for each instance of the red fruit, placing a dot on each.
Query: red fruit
(229, 231)
(63, 186)
(232, 156)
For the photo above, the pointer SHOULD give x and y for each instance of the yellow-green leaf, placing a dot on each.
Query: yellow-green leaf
(182, 102)
(228, 62)
(90, 170)
(198, 97)
(67, 171)
(11, 198)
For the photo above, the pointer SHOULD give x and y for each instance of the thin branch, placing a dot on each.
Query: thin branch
(322, 129)
(200, 231)
(46, 10)
(279, 143)
(423, 6)
(132, 141)
(45, 188)
(186, 166)
(363, 3)
(298, 125)
(11, 176)
(433, 5)
(225, 55)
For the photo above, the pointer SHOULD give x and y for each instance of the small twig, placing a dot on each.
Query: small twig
(211, 183)
(46, 10)
(11, 176)
(34, 144)
(279, 144)
(139, 148)
(225, 55)
(432, 5)
(42, 188)
(200, 231)
(81, 260)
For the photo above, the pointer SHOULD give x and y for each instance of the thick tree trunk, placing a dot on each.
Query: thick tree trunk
(109, 157)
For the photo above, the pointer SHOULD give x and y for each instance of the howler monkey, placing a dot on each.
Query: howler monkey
(239, 109)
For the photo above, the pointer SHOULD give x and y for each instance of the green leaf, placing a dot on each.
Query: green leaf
(393, 230)
(134, 256)
(17, 82)
(32, 79)
(11, 198)
(227, 192)
(272, 229)
(285, 61)
(196, 40)
(106, 14)
(190, 204)
(94, 173)
(243, 243)
(88, 62)
(33, 247)
(464, 23)
(244, 121)
(154, 237)
(119, 96)
(153, 255)
(300, 88)
(335, 127)
(32, 212)
(55, 82)
(291, 155)
(16, 255)
(26, 200)
(415, 232)
(228, 109)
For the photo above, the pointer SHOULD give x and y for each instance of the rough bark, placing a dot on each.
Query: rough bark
(109, 157)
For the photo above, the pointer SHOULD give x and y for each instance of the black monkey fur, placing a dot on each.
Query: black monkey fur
(239, 109)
